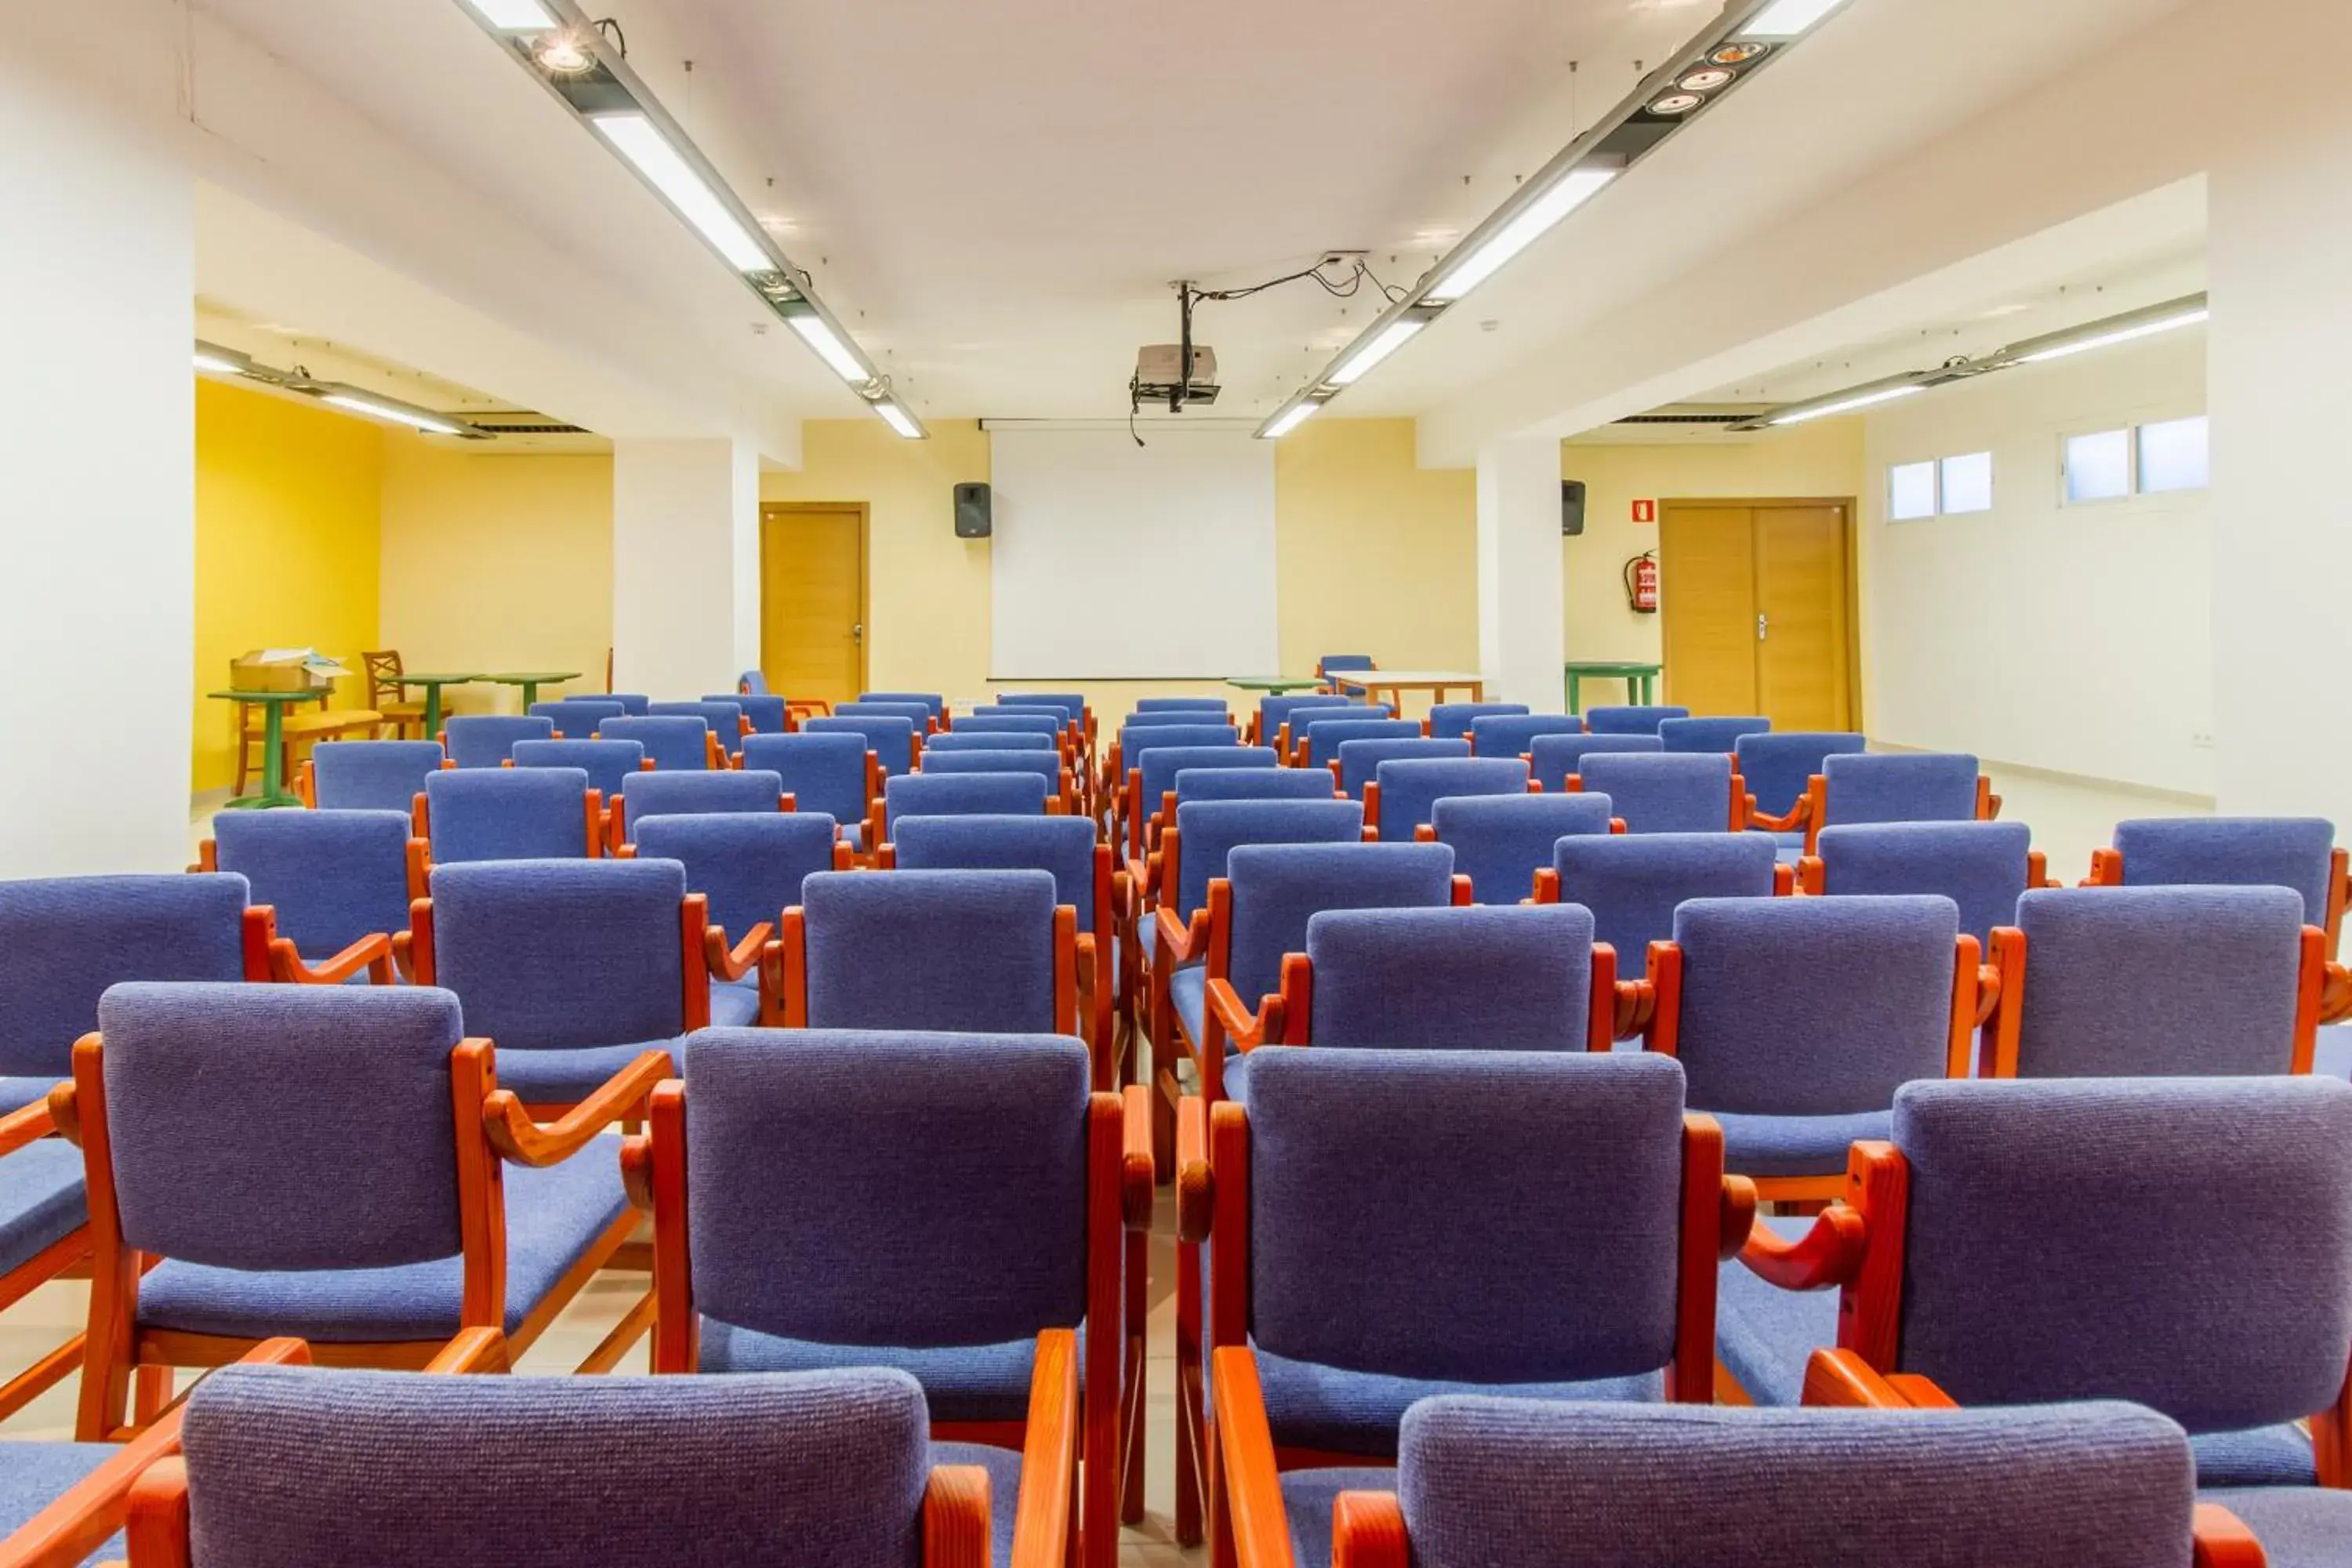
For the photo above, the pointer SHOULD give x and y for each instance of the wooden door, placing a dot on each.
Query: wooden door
(1801, 647)
(1706, 594)
(1757, 601)
(812, 600)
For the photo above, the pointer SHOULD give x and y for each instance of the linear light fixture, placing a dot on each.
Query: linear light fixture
(608, 97)
(1748, 35)
(397, 414)
(221, 362)
(1844, 403)
(2164, 318)
(211, 359)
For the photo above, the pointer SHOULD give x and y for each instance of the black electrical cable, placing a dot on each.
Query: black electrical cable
(610, 25)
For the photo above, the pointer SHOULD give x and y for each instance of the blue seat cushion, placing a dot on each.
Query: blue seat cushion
(565, 1075)
(1763, 1334)
(16, 1093)
(2299, 1527)
(2277, 1455)
(1188, 992)
(1003, 1468)
(961, 1383)
(554, 1216)
(1315, 1406)
(1795, 1145)
(1307, 1500)
(40, 1199)
(34, 1474)
(854, 832)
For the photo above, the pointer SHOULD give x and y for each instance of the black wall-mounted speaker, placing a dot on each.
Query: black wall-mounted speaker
(971, 511)
(1571, 507)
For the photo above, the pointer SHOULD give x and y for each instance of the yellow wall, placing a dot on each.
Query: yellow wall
(287, 544)
(498, 562)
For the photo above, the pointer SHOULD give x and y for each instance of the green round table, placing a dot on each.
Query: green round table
(273, 736)
(530, 681)
(1637, 676)
(1274, 684)
(433, 685)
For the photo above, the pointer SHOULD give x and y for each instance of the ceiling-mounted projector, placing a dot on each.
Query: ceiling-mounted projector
(1160, 375)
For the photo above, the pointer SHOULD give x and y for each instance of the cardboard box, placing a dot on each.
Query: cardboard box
(283, 669)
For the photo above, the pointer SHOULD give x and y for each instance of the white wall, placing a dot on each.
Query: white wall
(685, 565)
(2075, 638)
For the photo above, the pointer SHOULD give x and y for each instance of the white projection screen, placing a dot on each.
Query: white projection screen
(1112, 561)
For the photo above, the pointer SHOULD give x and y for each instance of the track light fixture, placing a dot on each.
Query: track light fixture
(211, 359)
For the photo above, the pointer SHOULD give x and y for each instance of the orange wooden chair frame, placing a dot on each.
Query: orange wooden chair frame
(616, 841)
(378, 953)
(1547, 884)
(1107, 1430)
(19, 1129)
(1737, 822)
(492, 1127)
(1812, 876)
(783, 975)
(1372, 810)
(2107, 871)
(593, 829)
(1811, 809)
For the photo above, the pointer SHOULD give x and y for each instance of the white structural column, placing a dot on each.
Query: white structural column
(97, 459)
(1521, 618)
(685, 565)
(2278, 351)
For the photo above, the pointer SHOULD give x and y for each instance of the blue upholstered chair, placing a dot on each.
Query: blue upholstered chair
(1897, 786)
(1274, 711)
(1709, 734)
(338, 883)
(576, 717)
(1639, 718)
(1068, 707)
(1156, 770)
(1797, 1019)
(725, 718)
(1662, 791)
(1633, 884)
(1501, 841)
(834, 774)
(285, 1158)
(948, 1207)
(1514, 1483)
(678, 742)
(987, 741)
(1047, 766)
(1316, 743)
(1389, 1226)
(575, 967)
(1514, 734)
(1181, 705)
(751, 681)
(1405, 790)
(1984, 1242)
(1555, 758)
(2156, 983)
(632, 703)
(989, 952)
(1452, 720)
(368, 775)
(767, 715)
(1331, 666)
(1024, 793)
(932, 700)
(918, 713)
(981, 721)
(1778, 770)
(510, 814)
(1982, 866)
(485, 740)
(687, 795)
(748, 867)
(1121, 780)
(889, 737)
(2297, 852)
(608, 764)
(1216, 782)
(1358, 761)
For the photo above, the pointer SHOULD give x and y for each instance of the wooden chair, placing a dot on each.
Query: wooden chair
(389, 697)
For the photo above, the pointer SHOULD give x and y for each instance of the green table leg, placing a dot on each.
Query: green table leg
(1575, 692)
(529, 694)
(273, 776)
(1649, 692)
(432, 710)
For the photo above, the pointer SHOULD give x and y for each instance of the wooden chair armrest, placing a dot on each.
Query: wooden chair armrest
(518, 1137)
(31, 1123)
(1789, 821)
(1049, 1454)
(956, 1517)
(1637, 1003)
(1547, 886)
(2335, 993)
(474, 1350)
(2220, 1538)
(1734, 1219)
(1840, 1379)
(1367, 1532)
(371, 951)
(1828, 1254)
(1244, 1029)
(1185, 939)
(733, 963)
(1261, 1530)
(1988, 992)
(1137, 1177)
(1195, 1188)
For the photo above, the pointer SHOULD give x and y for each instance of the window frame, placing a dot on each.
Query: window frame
(2134, 493)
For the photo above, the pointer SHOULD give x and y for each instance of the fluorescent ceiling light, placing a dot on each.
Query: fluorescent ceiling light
(412, 418)
(637, 137)
(1284, 424)
(218, 366)
(829, 347)
(1571, 191)
(898, 419)
(1847, 404)
(2119, 335)
(1787, 18)
(1396, 335)
(514, 15)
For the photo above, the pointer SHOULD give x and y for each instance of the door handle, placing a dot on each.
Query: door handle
(1760, 624)
(857, 633)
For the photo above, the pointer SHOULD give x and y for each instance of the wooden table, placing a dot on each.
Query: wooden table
(1397, 683)
(1274, 685)
(530, 681)
(433, 685)
(1637, 676)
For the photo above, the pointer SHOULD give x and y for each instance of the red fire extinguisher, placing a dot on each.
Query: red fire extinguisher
(1641, 582)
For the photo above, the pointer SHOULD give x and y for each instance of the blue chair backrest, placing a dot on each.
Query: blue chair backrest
(332, 877)
(1555, 757)
(1639, 718)
(963, 794)
(64, 939)
(1161, 764)
(725, 718)
(1500, 841)
(1979, 865)
(767, 713)
(632, 703)
(918, 714)
(609, 765)
(1198, 782)
(1277, 888)
(1632, 884)
(822, 773)
(1360, 760)
(659, 793)
(982, 722)
(1710, 734)
(1453, 720)
(1045, 764)
(1664, 793)
(508, 813)
(986, 741)
(1158, 718)
(1917, 786)
(2289, 851)
(1181, 705)
(1073, 704)
(1063, 845)
(1513, 734)
(576, 717)
(1273, 712)
(1209, 830)
(362, 1172)
(889, 737)
(1412, 786)
(1332, 663)
(560, 953)
(1135, 739)
(2140, 1190)
(932, 700)
(1777, 769)
(1513, 977)
(2158, 982)
(1813, 1006)
(931, 949)
(848, 1186)
(1325, 736)
(1369, 1169)
(485, 739)
(749, 1469)
(371, 776)
(676, 743)
(1659, 1484)
(748, 865)
(751, 683)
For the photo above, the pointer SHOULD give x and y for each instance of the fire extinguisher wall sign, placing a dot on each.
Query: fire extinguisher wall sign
(1641, 582)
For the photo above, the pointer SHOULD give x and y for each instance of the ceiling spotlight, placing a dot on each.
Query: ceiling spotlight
(1704, 80)
(562, 52)
(1737, 54)
(1676, 103)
